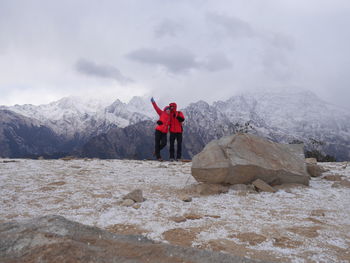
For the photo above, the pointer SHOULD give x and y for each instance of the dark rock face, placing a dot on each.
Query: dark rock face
(56, 239)
(132, 142)
(24, 137)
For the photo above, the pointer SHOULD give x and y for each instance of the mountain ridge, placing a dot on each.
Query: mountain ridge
(280, 116)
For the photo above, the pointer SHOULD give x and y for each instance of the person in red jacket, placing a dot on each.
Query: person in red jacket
(176, 120)
(162, 128)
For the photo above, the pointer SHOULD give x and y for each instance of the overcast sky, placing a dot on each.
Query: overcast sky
(175, 50)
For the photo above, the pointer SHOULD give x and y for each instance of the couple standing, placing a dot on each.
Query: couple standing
(169, 120)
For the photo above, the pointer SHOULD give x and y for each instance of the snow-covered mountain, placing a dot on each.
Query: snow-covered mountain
(280, 116)
(74, 117)
(286, 116)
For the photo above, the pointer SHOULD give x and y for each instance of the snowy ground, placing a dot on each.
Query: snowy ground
(296, 225)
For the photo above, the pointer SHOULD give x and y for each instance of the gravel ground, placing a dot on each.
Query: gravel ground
(302, 224)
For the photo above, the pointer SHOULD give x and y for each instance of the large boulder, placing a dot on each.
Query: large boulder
(56, 239)
(243, 158)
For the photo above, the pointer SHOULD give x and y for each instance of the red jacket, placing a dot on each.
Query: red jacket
(176, 119)
(164, 119)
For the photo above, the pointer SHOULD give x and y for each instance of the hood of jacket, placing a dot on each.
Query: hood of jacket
(174, 105)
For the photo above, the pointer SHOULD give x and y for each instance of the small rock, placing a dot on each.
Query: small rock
(239, 187)
(41, 158)
(192, 216)
(178, 219)
(211, 189)
(333, 177)
(314, 170)
(67, 158)
(135, 195)
(318, 212)
(343, 183)
(136, 206)
(128, 202)
(311, 160)
(186, 198)
(262, 186)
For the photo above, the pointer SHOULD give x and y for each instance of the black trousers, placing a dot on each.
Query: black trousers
(160, 142)
(178, 137)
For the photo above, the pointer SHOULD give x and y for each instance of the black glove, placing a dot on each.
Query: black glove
(180, 119)
(159, 122)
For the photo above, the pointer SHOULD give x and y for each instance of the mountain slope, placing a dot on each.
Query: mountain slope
(24, 137)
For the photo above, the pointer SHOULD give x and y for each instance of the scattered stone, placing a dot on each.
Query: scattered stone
(10, 161)
(186, 198)
(41, 158)
(136, 206)
(135, 195)
(243, 158)
(128, 202)
(192, 216)
(314, 170)
(58, 183)
(67, 158)
(211, 189)
(318, 212)
(264, 187)
(178, 219)
(311, 160)
(47, 188)
(239, 187)
(332, 177)
(343, 183)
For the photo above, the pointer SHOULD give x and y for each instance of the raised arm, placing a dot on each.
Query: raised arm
(155, 106)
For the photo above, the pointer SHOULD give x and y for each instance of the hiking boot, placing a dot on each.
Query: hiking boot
(171, 159)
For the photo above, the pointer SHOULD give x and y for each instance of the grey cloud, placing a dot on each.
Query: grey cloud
(217, 62)
(235, 27)
(180, 60)
(90, 68)
(176, 60)
(167, 28)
